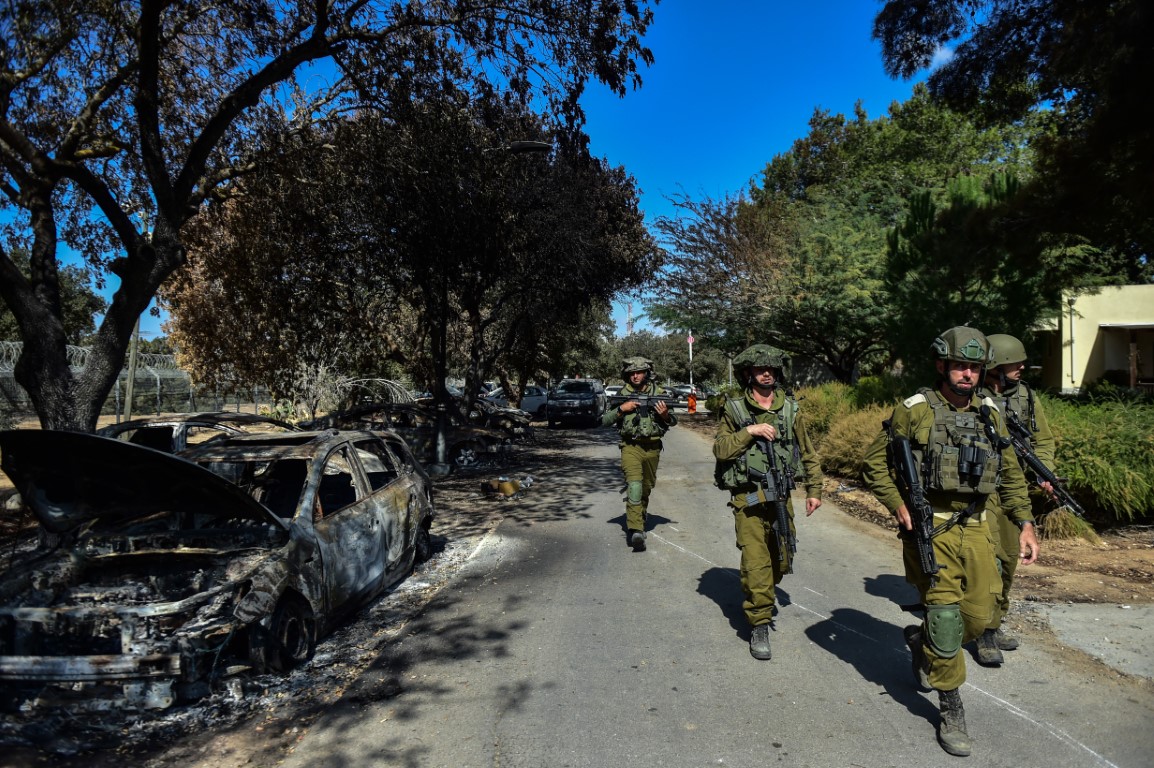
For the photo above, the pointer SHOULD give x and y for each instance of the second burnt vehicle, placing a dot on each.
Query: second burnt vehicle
(176, 572)
(468, 444)
(175, 432)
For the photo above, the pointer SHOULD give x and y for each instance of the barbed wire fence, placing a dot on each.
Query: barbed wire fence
(159, 386)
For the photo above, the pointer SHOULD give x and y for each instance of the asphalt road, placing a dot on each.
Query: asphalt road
(556, 645)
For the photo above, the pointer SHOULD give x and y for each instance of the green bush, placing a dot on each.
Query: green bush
(844, 445)
(1105, 443)
(716, 403)
(823, 405)
(885, 390)
(1105, 450)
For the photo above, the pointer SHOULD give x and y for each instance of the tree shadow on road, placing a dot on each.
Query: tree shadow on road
(877, 650)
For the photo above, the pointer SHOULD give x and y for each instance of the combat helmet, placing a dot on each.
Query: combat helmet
(765, 356)
(963, 344)
(635, 364)
(1007, 349)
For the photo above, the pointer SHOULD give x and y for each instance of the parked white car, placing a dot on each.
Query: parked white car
(532, 399)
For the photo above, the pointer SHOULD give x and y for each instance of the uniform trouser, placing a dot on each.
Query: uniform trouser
(761, 570)
(1005, 533)
(639, 465)
(968, 578)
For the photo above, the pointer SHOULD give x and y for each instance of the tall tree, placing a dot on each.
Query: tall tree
(963, 261)
(399, 233)
(119, 120)
(1087, 67)
(802, 262)
(278, 280)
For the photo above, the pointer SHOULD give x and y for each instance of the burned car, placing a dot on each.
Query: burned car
(512, 421)
(176, 432)
(178, 571)
(468, 444)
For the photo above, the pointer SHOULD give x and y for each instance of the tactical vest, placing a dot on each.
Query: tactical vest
(958, 458)
(1021, 402)
(634, 426)
(734, 475)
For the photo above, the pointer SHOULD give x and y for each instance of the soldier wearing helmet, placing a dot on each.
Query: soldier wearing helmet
(1005, 387)
(640, 429)
(959, 440)
(767, 411)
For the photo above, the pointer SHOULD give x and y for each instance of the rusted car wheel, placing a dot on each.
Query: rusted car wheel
(290, 638)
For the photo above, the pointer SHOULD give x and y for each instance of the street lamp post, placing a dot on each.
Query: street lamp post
(441, 366)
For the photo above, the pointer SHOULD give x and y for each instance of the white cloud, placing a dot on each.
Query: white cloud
(943, 55)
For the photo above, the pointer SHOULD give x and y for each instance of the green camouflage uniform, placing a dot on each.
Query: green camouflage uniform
(968, 577)
(1017, 398)
(640, 452)
(761, 568)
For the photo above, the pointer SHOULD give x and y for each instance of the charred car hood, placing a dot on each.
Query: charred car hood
(71, 478)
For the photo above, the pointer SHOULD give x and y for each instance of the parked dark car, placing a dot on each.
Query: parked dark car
(175, 432)
(178, 571)
(575, 400)
(681, 391)
(468, 444)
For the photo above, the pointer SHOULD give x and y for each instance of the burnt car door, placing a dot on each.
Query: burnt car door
(349, 530)
(395, 498)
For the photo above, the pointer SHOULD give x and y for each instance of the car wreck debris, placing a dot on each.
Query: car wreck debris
(173, 573)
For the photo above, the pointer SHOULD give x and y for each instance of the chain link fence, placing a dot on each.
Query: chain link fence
(159, 386)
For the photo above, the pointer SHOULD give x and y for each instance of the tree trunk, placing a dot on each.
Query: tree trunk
(71, 401)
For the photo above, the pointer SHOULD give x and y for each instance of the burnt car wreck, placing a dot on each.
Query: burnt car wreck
(172, 573)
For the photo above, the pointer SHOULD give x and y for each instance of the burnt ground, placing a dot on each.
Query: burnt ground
(255, 721)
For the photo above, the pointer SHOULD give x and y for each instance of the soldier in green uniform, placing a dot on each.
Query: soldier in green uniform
(765, 419)
(1005, 387)
(965, 459)
(641, 427)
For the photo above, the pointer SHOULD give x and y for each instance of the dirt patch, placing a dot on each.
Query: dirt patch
(1120, 570)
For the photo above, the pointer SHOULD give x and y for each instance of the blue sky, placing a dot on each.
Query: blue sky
(733, 84)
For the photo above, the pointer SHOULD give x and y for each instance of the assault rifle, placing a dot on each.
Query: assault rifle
(773, 487)
(921, 513)
(644, 402)
(1020, 438)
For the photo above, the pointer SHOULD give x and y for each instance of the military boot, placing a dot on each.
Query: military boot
(759, 643)
(989, 655)
(637, 541)
(952, 730)
(919, 663)
(1005, 640)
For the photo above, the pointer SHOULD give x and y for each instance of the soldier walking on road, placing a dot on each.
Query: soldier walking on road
(1005, 387)
(641, 427)
(961, 458)
(761, 448)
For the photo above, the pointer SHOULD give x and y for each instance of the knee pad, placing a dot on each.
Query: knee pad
(634, 492)
(944, 629)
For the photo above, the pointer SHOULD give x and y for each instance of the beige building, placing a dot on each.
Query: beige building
(1109, 330)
